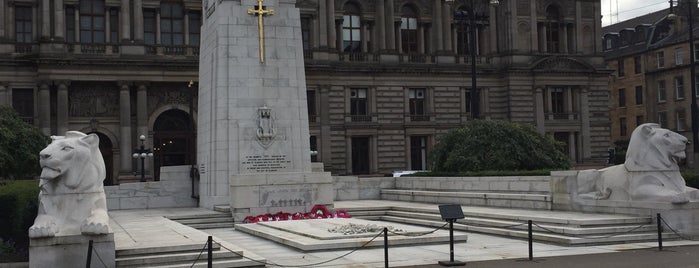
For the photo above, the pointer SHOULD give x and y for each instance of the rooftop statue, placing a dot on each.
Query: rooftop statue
(71, 197)
(650, 172)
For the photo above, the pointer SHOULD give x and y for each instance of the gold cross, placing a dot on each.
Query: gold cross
(261, 12)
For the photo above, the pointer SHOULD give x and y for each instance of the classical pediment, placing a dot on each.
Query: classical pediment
(561, 64)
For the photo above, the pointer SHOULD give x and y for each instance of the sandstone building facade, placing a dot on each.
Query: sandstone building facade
(385, 78)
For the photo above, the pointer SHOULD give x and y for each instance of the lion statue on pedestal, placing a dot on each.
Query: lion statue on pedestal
(71, 197)
(650, 172)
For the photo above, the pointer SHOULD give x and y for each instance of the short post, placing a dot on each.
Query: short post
(531, 243)
(210, 259)
(89, 254)
(660, 232)
(385, 246)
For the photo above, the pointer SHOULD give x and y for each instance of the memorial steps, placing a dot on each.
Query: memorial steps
(215, 219)
(181, 256)
(559, 227)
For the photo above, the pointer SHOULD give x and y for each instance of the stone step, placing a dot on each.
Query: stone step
(205, 220)
(191, 256)
(212, 225)
(222, 208)
(201, 216)
(162, 250)
(203, 264)
(520, 215)
(491, 199)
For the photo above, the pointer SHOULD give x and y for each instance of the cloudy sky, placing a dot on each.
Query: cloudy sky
(614, 11)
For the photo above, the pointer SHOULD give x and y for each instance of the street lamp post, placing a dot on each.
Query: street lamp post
(459, 15)
(142, 153)
(692, 4)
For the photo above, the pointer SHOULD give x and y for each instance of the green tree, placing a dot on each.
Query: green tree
(496, 145)
(20, 144)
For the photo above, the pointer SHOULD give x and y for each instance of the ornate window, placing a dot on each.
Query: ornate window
(418, 152)
(113, 25)
(417, 104)
(408, 29)
(194, 25)
(23, 24)
(149, 26)
(171, 24)
(358, 102)
(351, 29)
(70, 24)
(92, 21)
(552, 26)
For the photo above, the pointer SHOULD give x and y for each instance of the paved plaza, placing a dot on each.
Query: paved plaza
(149, 228)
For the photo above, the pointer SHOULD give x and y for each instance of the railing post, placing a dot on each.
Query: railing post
(660, 232)
(531, 243)
(385, 246)
(89, 254)
(210, 259)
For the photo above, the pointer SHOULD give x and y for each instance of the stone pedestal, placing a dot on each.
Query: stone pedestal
(255, 194)
(71, 251)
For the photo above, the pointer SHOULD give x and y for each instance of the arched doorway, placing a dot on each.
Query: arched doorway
(173, 140)
(108, 156)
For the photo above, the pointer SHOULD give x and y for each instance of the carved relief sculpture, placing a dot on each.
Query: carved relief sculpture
(265, 130)
(71, 197)
(650, 172)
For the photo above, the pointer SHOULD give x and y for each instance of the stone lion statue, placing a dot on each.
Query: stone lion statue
(650, 172)
(71, 197)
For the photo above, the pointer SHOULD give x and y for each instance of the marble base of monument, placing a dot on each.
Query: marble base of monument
(345, 233)
(71, 251)
(255, 194)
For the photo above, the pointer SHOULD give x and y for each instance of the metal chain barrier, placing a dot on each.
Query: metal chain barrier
(200, 252)
(675, 231)
(584, 236)
(305, 265)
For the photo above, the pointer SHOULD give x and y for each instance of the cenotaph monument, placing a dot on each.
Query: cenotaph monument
(253, 144)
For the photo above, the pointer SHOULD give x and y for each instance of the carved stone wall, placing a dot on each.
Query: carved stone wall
(93, 101)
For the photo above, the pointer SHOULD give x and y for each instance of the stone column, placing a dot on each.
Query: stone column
(564, 39)
(437, 26)
(107, 26)
(4, 96)
(186, 28)
(549, 104)
(534, 28)
(45, 19)
(62, 108)
(539, 110)
(365, 35)
(3, 5)
(399, 37)
(322, 23)
(572, 146)
(142, 120)
(77, 25)
(338, 41)
(137, 20)
(493, 30)
(45, 109)
(59, 22)
(585, 119)
(325, 131)
(390, 26)
(125, 19)
(421, 38)
(125, 147)
(330, 13)
(381, 24)
(446, 25)
(11, 23)
(568, 94)
(544, 46)
(157, 27)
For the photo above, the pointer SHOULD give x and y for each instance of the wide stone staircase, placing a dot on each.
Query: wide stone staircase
(181, 256)
(568, 228)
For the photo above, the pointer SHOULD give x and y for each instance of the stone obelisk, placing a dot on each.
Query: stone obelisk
(253, 141)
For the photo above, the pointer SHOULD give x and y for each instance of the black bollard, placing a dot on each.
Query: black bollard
(531, 243)
(660, 232)
(210, 260)
(89, 254)
(385, 246)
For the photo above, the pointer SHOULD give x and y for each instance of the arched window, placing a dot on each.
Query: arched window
(171, 24)
(351, 28)
(92, 21)
(463, 30)
(408, 29)
(173, 140)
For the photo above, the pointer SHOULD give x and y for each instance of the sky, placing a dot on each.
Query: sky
(614, 11)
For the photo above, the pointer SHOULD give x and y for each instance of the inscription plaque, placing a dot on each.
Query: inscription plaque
(265, 163)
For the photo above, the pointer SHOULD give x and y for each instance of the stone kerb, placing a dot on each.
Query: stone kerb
(512, 184)
(680, 217)
(173, 190)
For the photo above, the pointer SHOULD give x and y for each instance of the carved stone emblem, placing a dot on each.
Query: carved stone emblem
(265, 126)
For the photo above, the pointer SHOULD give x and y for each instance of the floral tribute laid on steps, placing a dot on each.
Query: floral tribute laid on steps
(317, 212)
